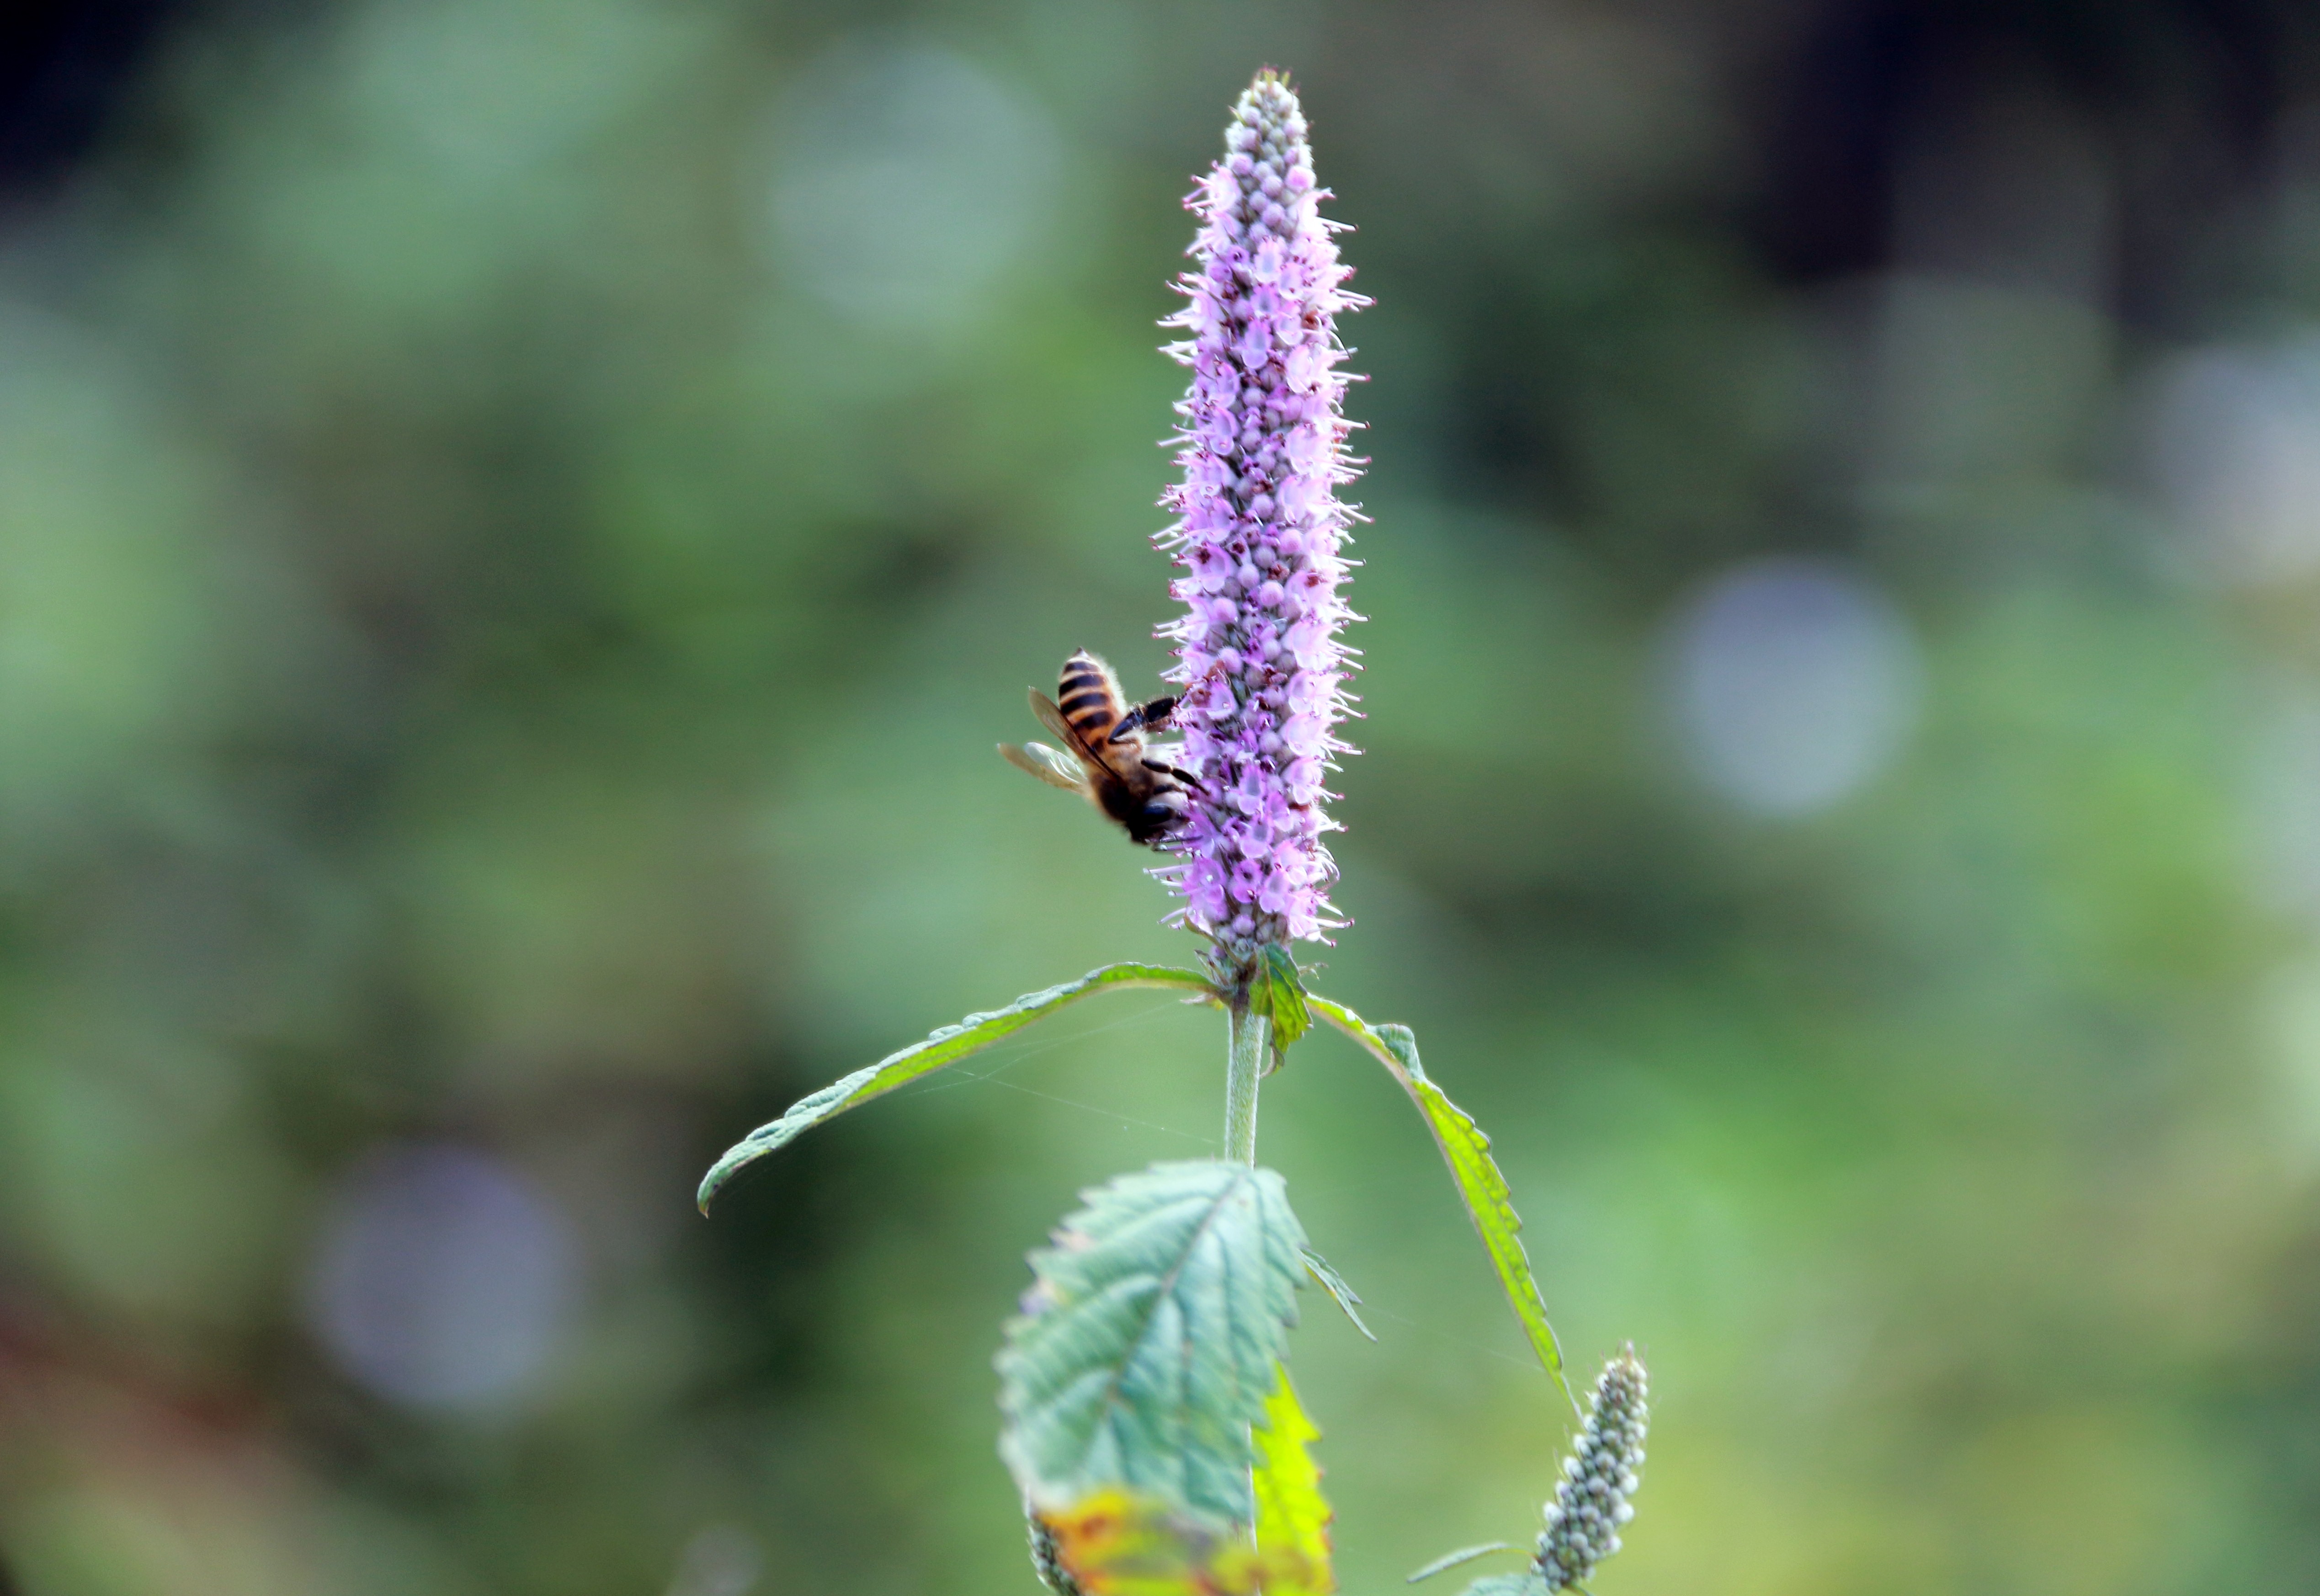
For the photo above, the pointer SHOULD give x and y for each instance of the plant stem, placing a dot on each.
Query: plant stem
(1244, 1059)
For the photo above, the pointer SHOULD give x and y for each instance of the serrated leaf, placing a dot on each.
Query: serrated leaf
(1292, 1518)
(1333, 1282)
(1450, 1560)
(1276, 991)
(947, 1045)
(1147, 1347)
(1467, 1151)
(1117, 1543)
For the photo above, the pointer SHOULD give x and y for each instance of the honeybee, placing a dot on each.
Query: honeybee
(1105, 758)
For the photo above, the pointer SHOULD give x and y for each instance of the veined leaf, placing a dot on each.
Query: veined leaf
(1450, 1560)
(1467, 1151)
(1292, 1519)
(1147, 1347)
(1117, 1543)
(1333, 1282)
(947, 1045)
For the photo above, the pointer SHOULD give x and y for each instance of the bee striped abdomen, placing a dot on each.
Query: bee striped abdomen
(1107, 760)
(1089, 698)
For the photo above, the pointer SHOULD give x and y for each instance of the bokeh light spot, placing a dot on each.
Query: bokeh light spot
(2236, 446)
(1793, 683)
(722, 1560)
(2281, 818)
(907, 181)
(488, 89)
(444, 1278)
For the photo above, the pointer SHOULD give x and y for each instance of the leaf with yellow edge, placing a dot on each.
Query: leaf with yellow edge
(1293, 1520)
(1115, 1542)
(1467, 1151)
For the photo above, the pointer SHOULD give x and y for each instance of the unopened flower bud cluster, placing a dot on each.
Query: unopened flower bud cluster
(1258, 530)
(1583, 1521)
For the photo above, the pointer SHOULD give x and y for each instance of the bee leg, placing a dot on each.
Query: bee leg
(1154, 713)
(1179, 772)
(1150, 716)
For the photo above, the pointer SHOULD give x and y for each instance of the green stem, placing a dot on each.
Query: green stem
(1244, 1060)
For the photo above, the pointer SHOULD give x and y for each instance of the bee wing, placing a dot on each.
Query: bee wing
(1053, 718)
(1058, 770)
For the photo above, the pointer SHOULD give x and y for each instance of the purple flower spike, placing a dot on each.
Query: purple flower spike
(1259, 527)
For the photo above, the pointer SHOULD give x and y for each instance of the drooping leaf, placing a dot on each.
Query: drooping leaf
(1292, 1518)
(1450, 1560)
(947, 1045)
(1333, 1282)
(1276, 992)
(1467, 1151)
(1147, 1347)
(1118, 1543)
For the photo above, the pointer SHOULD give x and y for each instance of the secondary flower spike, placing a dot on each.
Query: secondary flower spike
(1258, 531)
(1583, 1521)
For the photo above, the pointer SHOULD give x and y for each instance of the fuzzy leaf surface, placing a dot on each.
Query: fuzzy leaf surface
(1292, 1517)
(1150, 1343)
(1467, 1151)
(947, 1045)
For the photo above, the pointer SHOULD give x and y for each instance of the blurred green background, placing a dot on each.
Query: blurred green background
(521, 522)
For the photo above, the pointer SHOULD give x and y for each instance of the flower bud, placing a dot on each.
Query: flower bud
(1599, 1476)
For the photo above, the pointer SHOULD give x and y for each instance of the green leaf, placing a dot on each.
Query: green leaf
(1333, 1282)
(1450, 1560)
(1526, 1583)
(1467, 1151)
(1275, 991)
(947, 1045)
(1292, 1519)
(1148, 1345)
